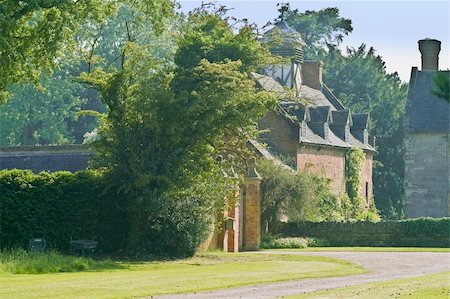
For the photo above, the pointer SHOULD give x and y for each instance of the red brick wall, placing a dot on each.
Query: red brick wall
(281, 134)
(325, 160)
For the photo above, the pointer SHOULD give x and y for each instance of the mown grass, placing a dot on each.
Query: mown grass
(204, 272)
(428, 286)
(22, 262)
(367, 249)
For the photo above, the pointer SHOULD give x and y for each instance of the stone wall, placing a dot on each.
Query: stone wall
(427, 177)
(421, 232)
(325, 160)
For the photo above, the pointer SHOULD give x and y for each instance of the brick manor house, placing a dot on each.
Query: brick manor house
(313, 130)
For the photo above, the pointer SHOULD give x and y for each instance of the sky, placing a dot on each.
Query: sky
(393, 28)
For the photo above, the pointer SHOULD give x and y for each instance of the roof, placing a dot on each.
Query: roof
(425, 112)
(46, 158)
(341, 118)
(315, 107)
(360, 121)
(284, 31)
(296, 110)
(320, 114)
(267, 83)
(315, 97)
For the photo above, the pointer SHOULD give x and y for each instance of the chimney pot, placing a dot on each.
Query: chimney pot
(430, 49)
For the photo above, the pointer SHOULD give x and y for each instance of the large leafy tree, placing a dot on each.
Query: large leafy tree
(320, 30)
(167, 119)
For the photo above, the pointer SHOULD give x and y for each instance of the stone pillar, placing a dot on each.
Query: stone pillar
(251, 208)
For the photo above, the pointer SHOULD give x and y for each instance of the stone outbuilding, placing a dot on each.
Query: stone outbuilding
(427, 141)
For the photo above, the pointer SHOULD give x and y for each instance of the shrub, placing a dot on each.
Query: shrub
(60, 207)
(299, 196)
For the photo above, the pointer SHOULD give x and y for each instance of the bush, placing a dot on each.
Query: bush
(21, 262)
(299, 196)
(269, 241)
(170, 227)
(60, 207)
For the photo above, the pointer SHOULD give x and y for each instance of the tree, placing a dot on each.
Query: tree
(299, 196)
(320, 30)
(43, 115)
(360, 81)
(32, 34)
(166, 123)
(442, 86)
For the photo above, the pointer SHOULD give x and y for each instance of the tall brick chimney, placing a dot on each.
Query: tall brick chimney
(312, 74)
(430, 49)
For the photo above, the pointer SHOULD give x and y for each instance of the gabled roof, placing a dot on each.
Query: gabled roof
(426, 112)
(341, 118)
(360, 121)
(320, 114)
(295, 110)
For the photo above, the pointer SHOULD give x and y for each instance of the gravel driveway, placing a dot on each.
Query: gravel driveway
(382, 266)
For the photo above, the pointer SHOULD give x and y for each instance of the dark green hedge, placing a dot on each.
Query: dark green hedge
(421, 232)
(60, 207)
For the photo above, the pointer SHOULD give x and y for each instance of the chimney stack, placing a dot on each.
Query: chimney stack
(312, 74)
(430, 49)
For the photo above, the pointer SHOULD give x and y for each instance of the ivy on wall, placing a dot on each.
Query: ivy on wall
(355, 162)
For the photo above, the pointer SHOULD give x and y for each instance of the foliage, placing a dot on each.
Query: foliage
(354, 166)
(419, 232)
(361, 82)
(442, 86)
(60, 207)
(43, 115)
(297, 196)
(320, 30)
(19, 261)
(182, 114)
(34, 32)
(285, 243)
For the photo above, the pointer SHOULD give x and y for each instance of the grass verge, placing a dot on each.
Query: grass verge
(428, 286)
(22, 262)
(367, 249)
(204, 272)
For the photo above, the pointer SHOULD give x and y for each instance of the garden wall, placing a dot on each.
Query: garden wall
(420, 232)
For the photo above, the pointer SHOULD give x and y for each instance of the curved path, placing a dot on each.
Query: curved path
(382, 266)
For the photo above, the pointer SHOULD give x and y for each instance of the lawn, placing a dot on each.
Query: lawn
(203, 272)
(428, 286)
(367, 249)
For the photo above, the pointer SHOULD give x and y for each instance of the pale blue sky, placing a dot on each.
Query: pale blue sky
(391, 27)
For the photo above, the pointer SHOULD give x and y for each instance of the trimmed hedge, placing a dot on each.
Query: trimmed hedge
(420, 232)
(60, 207)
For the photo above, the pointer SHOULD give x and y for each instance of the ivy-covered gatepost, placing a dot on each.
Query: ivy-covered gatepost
(250, 237)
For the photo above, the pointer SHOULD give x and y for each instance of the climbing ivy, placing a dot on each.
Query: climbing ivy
(355, 161)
